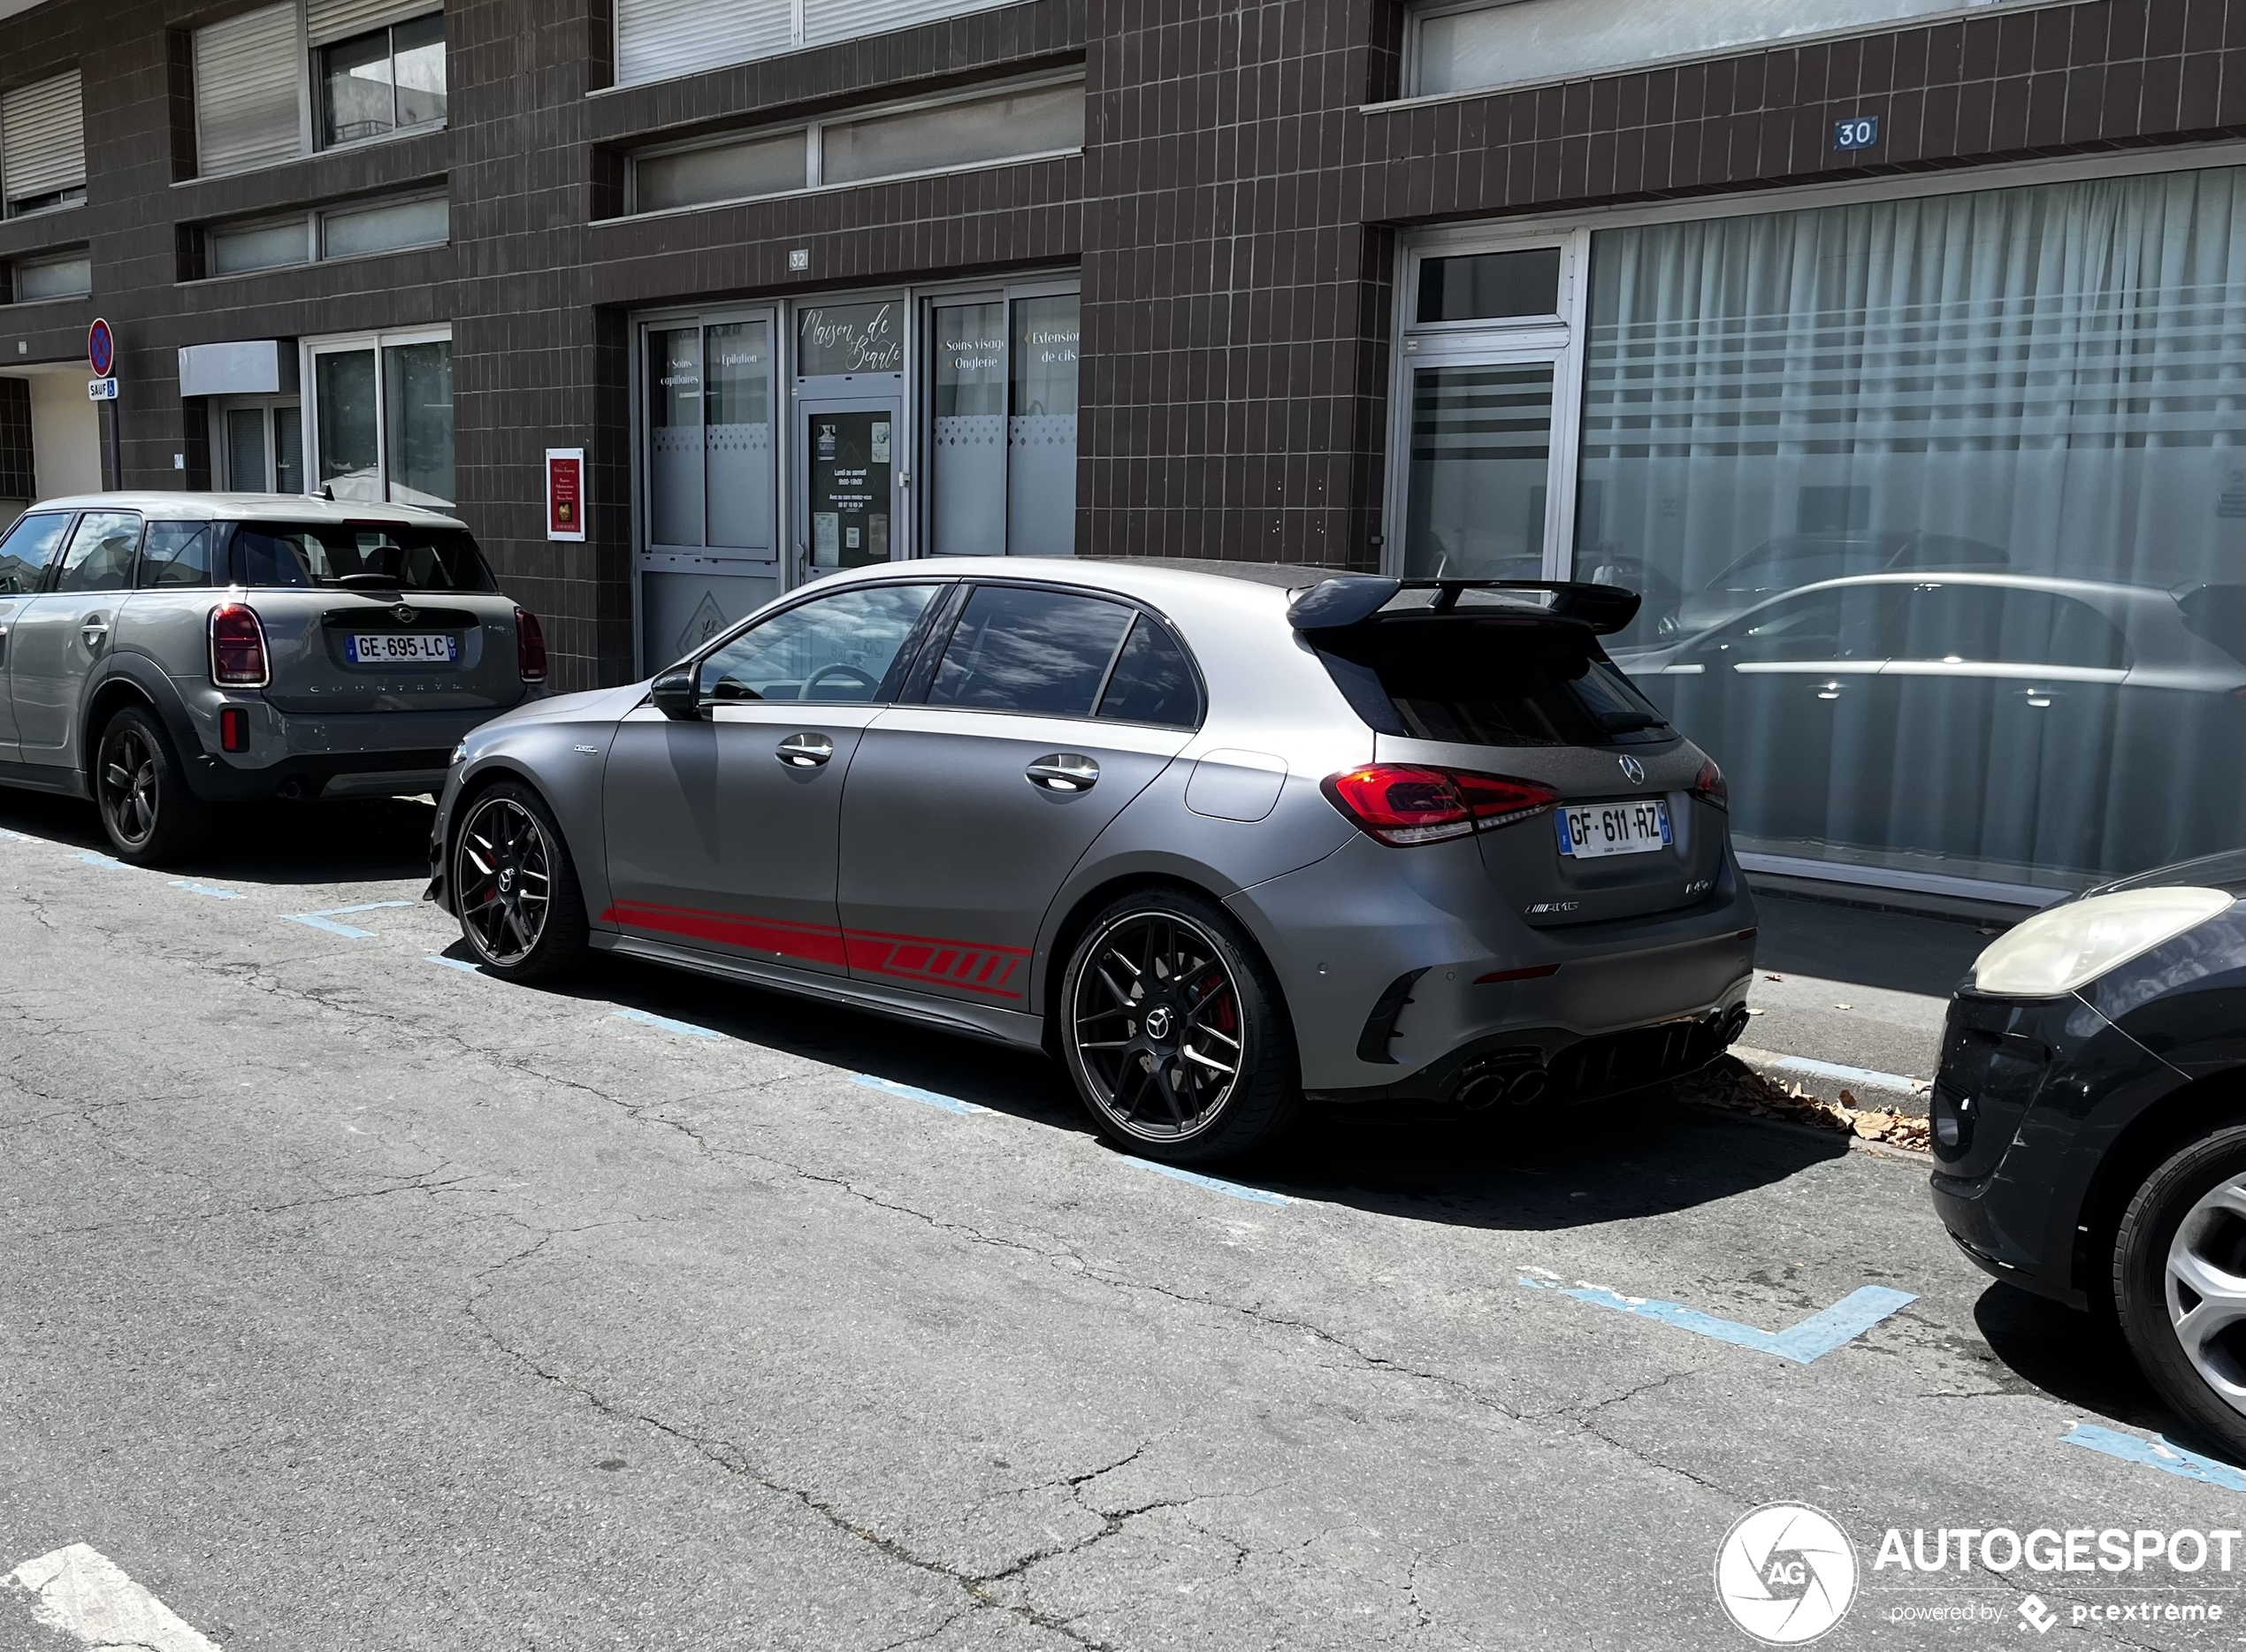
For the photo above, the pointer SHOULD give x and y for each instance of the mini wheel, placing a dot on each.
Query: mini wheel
(150, 815)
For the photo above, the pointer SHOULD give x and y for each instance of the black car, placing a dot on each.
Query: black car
(2089, 1121)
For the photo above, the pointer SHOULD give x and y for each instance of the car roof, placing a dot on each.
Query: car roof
(1159, 582)
(182, 505)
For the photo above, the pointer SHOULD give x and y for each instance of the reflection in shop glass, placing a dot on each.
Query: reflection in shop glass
(851, 339)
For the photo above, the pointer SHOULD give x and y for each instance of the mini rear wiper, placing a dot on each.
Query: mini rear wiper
(369, 582)
(1629, 721)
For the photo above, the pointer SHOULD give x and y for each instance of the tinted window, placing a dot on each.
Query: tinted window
(1152, 681)
(1494, 682)
(100, 557)
(1034, 651)
(844, 649)
(25, 552)
(363, 555)
(176, 554)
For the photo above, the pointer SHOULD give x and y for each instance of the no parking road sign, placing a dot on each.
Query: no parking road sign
(101, 349)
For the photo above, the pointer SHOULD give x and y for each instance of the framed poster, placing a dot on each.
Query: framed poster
(565, 492)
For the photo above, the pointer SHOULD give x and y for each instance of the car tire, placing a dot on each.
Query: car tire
(515, 886)
(1175, 1033)
(141, 792)
(2187, 1222)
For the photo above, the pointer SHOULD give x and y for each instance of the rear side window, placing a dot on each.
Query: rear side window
(1042, 652)
(1489, 682)
(358, 556)
(25, 552)
(176, 553)
(100, 557)
(1153, 681)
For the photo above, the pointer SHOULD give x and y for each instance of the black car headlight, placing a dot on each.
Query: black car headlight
(2070, 947)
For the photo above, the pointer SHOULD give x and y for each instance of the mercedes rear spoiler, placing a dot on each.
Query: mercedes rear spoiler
(1349, 599)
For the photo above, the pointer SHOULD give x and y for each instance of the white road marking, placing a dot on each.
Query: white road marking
(84, 1592)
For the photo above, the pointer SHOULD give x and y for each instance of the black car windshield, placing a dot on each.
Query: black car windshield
(358, 556)
(1490, 682)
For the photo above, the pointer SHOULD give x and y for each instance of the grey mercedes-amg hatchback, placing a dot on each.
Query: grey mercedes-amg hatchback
(1220, 837)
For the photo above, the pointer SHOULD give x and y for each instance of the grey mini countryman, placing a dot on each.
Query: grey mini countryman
(166, 652)
(1218, 840)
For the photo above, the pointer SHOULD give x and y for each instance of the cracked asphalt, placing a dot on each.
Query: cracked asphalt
(353, 1301)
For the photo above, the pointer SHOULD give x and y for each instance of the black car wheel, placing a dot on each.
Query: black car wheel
(149, 814)
(514, 887)
(1174, 1032)
(2180, 1282)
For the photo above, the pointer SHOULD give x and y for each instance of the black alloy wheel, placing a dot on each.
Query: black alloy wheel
(514, 885)
(2180, 1282)
(149, 814)
(1173, 1032)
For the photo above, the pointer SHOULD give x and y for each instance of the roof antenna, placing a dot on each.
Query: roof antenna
(327, 491)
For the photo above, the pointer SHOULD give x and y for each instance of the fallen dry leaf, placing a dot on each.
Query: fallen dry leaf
(1732, 1084)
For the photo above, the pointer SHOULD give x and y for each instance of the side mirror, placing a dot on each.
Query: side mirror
(675, 695)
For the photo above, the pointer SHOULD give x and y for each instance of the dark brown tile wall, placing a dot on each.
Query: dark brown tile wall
(1235, 215)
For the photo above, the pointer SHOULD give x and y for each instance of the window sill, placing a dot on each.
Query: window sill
(14, 304)
(302, 155)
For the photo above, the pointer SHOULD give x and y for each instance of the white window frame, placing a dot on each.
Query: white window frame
(675, 559)
(221, 456)
(308, 351)
(1469, 342)
(810, 132)
(67, 254)
(1441, 343)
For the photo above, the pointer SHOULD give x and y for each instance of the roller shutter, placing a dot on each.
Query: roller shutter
(43, 139)
(326, 20)
(826, 21)
(657, 39)
(246, 97)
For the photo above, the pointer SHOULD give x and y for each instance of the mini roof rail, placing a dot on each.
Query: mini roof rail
(1351, 599)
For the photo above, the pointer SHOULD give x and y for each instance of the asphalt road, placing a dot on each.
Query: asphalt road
(352, 1299)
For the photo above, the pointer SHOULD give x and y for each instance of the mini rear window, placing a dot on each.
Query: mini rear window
(1489, 682)
(358, 556)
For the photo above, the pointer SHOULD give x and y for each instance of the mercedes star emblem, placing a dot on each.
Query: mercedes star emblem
(1634, 770)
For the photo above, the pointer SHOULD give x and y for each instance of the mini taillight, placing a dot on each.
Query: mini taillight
(1404, 804)
(530, 646)
(233, 728)
(1708, 786)
(237, 647)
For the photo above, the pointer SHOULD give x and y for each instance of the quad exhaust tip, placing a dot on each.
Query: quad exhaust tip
(1506, 1083)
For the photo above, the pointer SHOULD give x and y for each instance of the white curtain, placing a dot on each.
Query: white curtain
(2044, 385)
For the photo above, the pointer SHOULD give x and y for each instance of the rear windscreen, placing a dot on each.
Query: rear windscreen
(1489, 682)
(358, 556)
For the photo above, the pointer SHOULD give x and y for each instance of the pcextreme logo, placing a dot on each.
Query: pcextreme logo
(1787, 1573)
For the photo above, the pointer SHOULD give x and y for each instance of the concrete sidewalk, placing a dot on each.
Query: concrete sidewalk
(1851, 996)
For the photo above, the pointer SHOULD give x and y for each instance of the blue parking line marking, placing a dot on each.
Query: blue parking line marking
(665, 1023)
(211, 890)
(2156, 1453)
(16, 837)
(325, 918)
(460, 964)
(109, 862)
(913, 1092)
(1814, 1337)
(1853, 1074)
(1215, 1184)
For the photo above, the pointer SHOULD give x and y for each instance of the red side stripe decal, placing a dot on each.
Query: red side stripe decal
(931, 962)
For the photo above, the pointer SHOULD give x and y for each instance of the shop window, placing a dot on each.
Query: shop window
(382, 416)
(709, 437)
(387, 79)
(68, 275)
(1921, 538)
(1002, 442)
(42, 147)
(1481, 449)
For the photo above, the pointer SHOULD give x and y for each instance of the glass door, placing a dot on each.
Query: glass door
(847, 456)
(257, 447)
(709, 540)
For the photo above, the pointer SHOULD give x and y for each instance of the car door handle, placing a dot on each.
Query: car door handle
(805, 751)
(1064, 771)
(92, 632)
